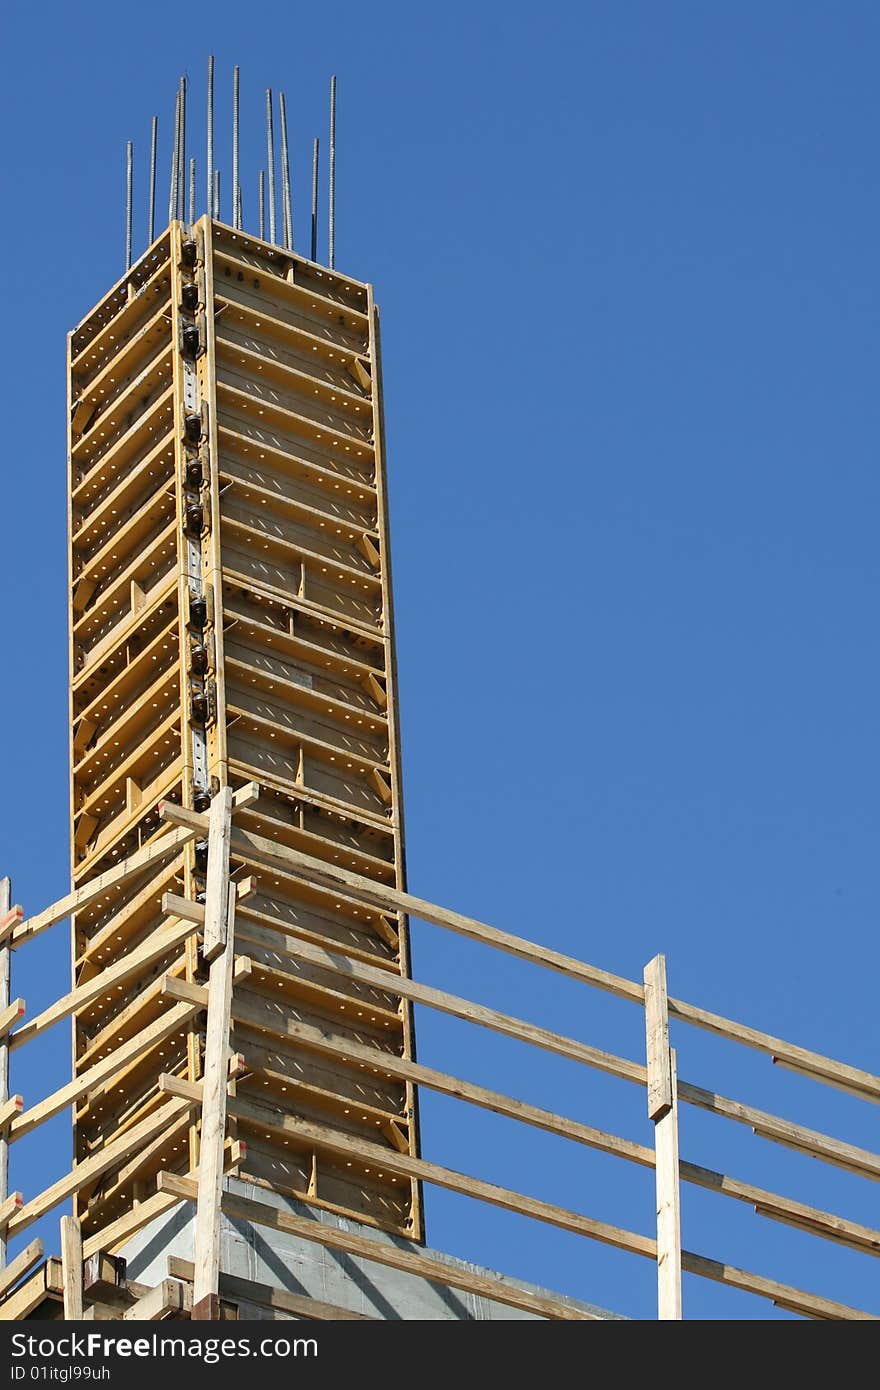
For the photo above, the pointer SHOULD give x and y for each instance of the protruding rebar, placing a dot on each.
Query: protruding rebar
(270, 150)
(209, 168)
(217, 193)
(235, 147)
(315, 154)
(151, 220)
(286, 203)
(172, 192)
(129, 176)
(181, 152)
(239, 211)
(192, 188)
(331, 219)
(262, 205)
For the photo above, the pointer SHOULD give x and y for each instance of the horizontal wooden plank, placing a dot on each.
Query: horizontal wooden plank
(95, 1165)
(771, 1204)
(44, 1285)
(808, 1141)
(8, 1208)
(30, 1256)
(191, 911)
(97, 887)
(116, 1233)
(9, 1109)
(168, 1299)
(809, 1305)
(856, 1082)
(92, 1081)
(10, 1015)
(156, 945)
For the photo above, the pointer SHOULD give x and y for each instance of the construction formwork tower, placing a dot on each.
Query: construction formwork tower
(232, 622)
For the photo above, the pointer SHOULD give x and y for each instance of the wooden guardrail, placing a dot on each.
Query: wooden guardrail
(215, 1102)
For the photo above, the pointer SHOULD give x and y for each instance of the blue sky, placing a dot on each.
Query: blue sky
(626, 259)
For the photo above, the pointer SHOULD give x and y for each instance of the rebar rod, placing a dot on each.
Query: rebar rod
(209, 167)
(151, 218)
(270, 150)
(331, 218)
(315, 156)
(172, 192)
(235, 147)
(129, 177)
(286, 203)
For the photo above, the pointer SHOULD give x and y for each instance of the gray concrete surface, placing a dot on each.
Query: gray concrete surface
(299, 1266)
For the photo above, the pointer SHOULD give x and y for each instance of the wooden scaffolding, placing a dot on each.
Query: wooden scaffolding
(242, 994)
(231, 620)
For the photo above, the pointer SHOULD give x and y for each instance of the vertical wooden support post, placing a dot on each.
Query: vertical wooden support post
(217, 879)
(210, 1185)
(663, 1110)
(5, 965)
(72, 1268)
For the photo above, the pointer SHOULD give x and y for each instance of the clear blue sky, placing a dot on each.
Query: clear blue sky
(627, 261)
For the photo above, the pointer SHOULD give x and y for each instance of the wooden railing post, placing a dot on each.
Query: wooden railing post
(72, 1268)
(219, 940)
(663, 1110)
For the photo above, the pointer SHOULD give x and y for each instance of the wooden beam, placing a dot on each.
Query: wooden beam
(168, 1299)
(95, 1165)
(770, 1204)
(44, 1285)
(10, 1015)
(156, 945)
(856, 1082)
(217, 877)
(213, 1098)
(359, 368)
(98, 1075)
(199, 995)
(8, 1208)
(116, 1233)
(421, 1266)
(10, 918)
(190, 911)
(247, 795)
(30, 1256)
(807, 1141)
(233, 1287)
(808, 1305)
(113, 935)
(97, 887)
(8, 1112)
(663, 1110)
(72, 1267)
